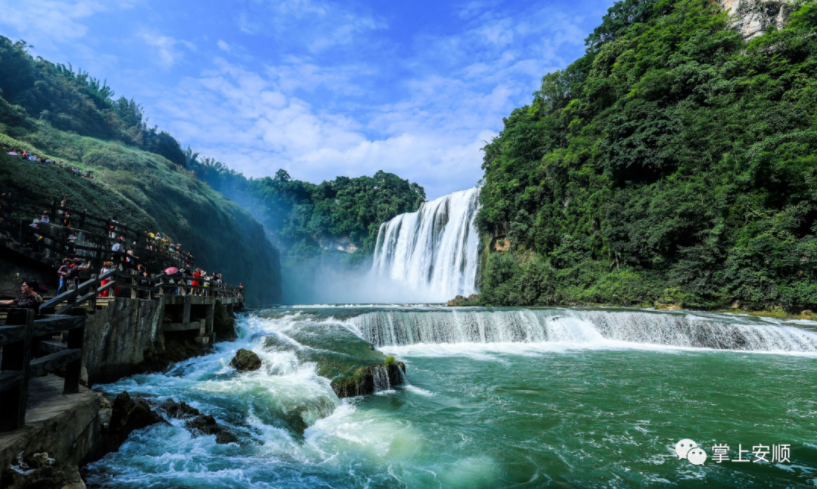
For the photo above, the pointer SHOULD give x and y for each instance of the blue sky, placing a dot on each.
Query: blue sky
(317, 87)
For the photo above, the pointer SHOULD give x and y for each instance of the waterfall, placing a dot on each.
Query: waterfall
(380, 376)
(435, 249)
(407, 327)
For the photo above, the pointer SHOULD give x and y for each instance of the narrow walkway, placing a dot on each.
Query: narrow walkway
(56, 422)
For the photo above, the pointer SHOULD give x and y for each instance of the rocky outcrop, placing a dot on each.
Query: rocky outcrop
(40, 471)
(224, 323)
(128, 416)
(369, 379)
(125, 416)
(178, 410)
(471, 300)
(245, 361)
(205, 424)
(169, 350)
(342, 243)
(753, 17)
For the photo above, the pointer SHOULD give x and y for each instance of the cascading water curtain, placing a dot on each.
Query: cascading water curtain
(434, 249)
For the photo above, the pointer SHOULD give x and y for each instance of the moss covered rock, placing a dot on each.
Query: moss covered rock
(245, 361)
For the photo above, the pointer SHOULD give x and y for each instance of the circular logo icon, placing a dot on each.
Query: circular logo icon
(696, 456)
(683, 447)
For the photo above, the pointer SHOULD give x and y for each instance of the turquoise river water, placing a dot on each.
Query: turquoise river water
(594, 398)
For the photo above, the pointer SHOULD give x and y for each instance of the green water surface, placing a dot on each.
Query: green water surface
(474, 416)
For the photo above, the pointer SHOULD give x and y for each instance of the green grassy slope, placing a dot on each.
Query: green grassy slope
(146, 191)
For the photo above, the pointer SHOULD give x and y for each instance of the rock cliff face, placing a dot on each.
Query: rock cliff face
(753, 17)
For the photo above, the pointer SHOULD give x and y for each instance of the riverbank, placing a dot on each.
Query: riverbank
(776, 312)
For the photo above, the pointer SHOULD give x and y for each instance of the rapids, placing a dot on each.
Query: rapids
(495, 398)
(492, 397)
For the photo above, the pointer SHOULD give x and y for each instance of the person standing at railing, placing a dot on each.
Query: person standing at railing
(73, 273)
(117, 257)
(30, 299)
(142, 273)
(62, 272)
(66, 218)
(106, 267)
(112, 227)
(196, 283)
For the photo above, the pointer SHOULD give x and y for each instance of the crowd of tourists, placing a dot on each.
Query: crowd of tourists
(124, 257)
(25, 155)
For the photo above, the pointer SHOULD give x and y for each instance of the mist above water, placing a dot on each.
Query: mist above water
(427, 256)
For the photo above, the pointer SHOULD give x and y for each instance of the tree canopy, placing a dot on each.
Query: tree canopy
(674, 161)
(300, 216)
(75, 102)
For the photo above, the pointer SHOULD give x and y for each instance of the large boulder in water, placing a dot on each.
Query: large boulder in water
(179, 410)
(245, 361)
(206, 425)
(128, 415)
(367, 380)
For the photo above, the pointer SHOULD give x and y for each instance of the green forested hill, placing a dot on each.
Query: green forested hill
(148, 192)
(139, 171)
(303, 218)
(674, 162)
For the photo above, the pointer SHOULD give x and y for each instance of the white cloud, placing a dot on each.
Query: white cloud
(165, 47)
(430, 131)
(59, 19)
(332, 97)
(317, 24)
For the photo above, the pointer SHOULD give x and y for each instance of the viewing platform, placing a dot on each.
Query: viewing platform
(106, 328)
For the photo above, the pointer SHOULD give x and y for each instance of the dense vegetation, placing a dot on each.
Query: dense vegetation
(674, 163)
(35, 88)
(139, 174)
(148, 192)
(303, 219)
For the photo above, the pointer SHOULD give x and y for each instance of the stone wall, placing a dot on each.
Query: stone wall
(64, 427)
(118, 337)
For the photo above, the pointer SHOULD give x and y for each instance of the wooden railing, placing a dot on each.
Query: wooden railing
(147, 248)
(19, 338)
(26, 333)
(86, 293)
(79, 219)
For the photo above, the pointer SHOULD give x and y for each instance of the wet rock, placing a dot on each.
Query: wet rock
(223, 324)
(225, 437)
(368, 379)
(471, 300)
(123, 417)
(39, 471)
(204, 424)
(245, 361)
(178, 410)
(128, 415)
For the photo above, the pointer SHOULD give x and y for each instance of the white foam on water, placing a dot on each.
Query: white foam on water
(577, 328)
(419, 390)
